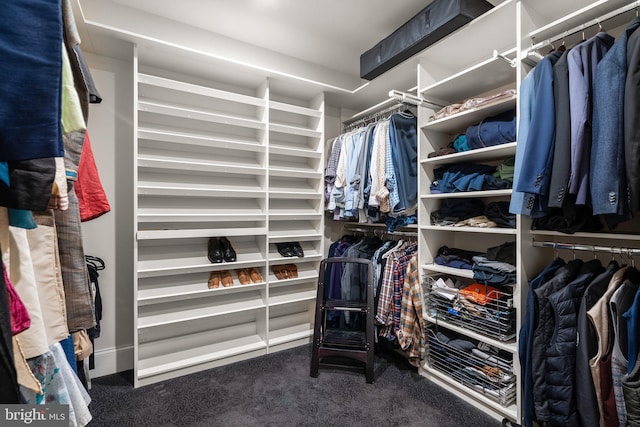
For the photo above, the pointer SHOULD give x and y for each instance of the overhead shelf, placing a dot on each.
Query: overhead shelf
(487, 75)
(479, 155)
(294, 130)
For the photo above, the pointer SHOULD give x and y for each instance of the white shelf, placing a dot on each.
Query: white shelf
(437, 268)
(293, 236)
(597, 236)
(298, 152)
(510, 412)
(295, 194)
(490, 74)
(458, 123)
(509, 346)
(295, 173)
(292, 297)
(308, 216)
(200, 290)
(184, 216)
(492, 230)
(163, 267)
(294, 130)
(199, 90)
(302, 278)
(193, 138)
(479, 155)
(166, 317)
(295, 109)
(463, 194)
(193, 113)
(282, 336)
(181, 165)
(190, 234)
(177, 190)
(276, 259)
(494, 30)
(196, 356)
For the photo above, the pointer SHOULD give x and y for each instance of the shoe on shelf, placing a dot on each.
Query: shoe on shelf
(226, 278)
(214, 280)
(285, 249)
(228, 252)
(255, 275)
(296, 248)
(279, 271)
(292, 271)
(243, 276)
(214, 251)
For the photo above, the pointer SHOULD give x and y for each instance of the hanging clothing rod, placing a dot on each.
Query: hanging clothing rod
(374, 117)
(588, 248)
(580, 28)
(379, 231)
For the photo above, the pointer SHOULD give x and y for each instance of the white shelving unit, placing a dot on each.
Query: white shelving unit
(217, 160)
(495, 30)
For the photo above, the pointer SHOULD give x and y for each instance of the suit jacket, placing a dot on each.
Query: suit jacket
(608, 185)
(582, 62)
(631, 120)
(562, 149)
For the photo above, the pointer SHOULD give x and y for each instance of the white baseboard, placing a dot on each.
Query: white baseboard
(112, 360)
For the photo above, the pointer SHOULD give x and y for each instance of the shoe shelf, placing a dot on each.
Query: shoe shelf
(311, 250)
(290, 295)
(307, 272)
(151, 162)
(488, 230)
(163, 289)
(164, 314)
(290, 323)
(295, 172)
(295, 109)
(204, 191)
(308, 257)
(293, 152)
(195, 233)
(294, 130)
(189, 88)
(150, 133)
(495, 152)
(201, 342)
(295, 194)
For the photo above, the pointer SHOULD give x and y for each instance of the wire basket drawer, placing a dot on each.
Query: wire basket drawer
(483, 309)
(473, 364)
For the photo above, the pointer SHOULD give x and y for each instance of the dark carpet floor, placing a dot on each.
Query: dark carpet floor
(276, 390)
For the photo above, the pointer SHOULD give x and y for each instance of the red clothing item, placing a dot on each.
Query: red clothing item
(92, 199)
(18, 313)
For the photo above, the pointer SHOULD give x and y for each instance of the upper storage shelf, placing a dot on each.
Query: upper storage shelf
(474, 42)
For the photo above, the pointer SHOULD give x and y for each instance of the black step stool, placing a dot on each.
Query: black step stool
(339, 343)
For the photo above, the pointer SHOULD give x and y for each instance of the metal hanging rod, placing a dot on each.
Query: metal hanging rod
(582, 27)
(614, 250)
(379, 231)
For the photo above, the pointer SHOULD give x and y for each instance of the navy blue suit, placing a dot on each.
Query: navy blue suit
(608, 185)
(632, 120)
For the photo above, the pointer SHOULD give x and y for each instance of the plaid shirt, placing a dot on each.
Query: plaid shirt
(411, 332)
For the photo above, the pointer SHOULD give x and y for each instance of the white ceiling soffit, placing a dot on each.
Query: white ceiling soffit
(134, 22)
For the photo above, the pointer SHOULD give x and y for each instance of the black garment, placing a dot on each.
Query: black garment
(454, 210)
(447, 255)
(569, 219)
(498, 212)
(8, 377)
(543, 332)
(631, 120)
(31, 184)
(586, 400)
(505, 252)
(560, 354)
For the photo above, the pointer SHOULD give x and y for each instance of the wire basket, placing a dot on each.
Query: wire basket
(473, 364)
(490, 313)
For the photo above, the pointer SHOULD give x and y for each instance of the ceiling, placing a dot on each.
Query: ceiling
(305, 46)
(329, 33)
